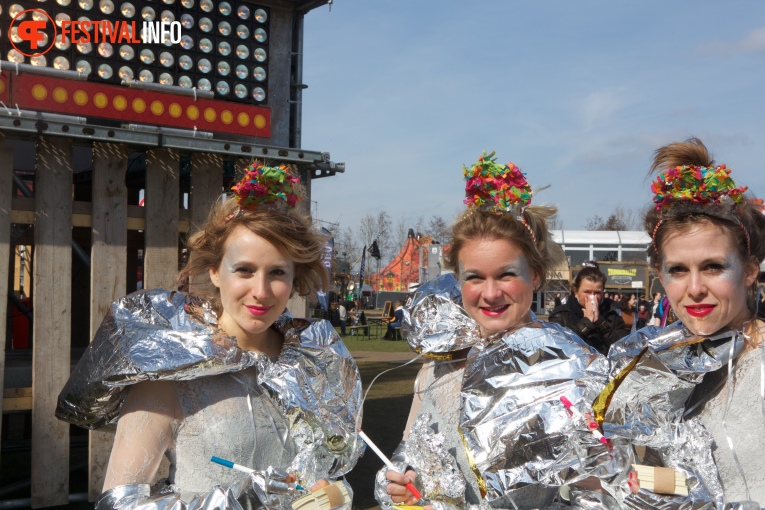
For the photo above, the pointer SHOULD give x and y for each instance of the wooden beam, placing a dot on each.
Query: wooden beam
(51, 298)
(160, 259)
(6, 185)
(108, 279)
(24, 212)
(206, 188)
(17, 399)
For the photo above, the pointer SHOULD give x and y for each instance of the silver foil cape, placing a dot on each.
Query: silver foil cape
(434, 320)
(523, 441)
(160, 335)
(520, 438)
(656, 370)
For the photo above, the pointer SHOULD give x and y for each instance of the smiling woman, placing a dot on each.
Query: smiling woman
(225, 371)
(708, 241)
(497, 446)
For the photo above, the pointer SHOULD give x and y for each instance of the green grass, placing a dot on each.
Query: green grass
(374, 343)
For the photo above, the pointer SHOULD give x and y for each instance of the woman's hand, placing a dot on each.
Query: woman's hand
(396, 486)
(591, 308)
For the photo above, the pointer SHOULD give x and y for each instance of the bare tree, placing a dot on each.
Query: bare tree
(439, 230)
(400, 233)
(619, 219)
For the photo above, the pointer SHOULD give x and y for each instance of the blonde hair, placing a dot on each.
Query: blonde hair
(479, 224)
(289, 231)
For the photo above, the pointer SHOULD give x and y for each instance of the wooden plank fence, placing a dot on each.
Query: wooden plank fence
(54, 213)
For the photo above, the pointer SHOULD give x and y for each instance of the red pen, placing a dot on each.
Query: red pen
(388, 463)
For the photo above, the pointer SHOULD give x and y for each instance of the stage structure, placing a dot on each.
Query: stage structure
(120, 123)
(418, 261)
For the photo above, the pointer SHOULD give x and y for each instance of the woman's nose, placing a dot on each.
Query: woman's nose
(260, 288)
(696, 285)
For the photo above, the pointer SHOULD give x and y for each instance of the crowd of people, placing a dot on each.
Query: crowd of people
(614, 402)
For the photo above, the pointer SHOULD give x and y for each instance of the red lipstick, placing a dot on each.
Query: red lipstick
(494, 311)
(699, 310)
(258, 310)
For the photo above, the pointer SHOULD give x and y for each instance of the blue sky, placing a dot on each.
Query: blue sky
(577, 93)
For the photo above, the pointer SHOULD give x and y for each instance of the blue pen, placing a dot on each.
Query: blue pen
(229, 464)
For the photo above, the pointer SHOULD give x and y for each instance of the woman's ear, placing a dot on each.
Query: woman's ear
(214, 278)
(536, 280)
(752, 269)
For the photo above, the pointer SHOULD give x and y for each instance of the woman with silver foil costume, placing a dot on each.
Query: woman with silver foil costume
(692, 394)
(487, 428)
(224, 371)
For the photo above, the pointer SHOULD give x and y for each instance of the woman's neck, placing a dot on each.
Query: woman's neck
(268, 342)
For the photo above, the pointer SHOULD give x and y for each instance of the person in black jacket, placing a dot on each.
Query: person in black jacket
(587, 314)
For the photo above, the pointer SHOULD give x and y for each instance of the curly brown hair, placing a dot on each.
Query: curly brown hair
(480, 224)
(288, 230)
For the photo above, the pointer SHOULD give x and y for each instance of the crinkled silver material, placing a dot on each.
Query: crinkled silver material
(434, 320)
(261, 490)
(160, 335)
(518, 433)
(649, 404)
(437, 472)
(439, 479)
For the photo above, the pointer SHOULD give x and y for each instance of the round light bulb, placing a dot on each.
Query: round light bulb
(168, 2)
(222, 88)
(242, 32)
(60, 18)
(204, 84)
(165, 79)
(187, 42)
(243, 12)
(146, 56)
(258, 94)
(241, 72)
(125, 73)
(166, 59)
(105, 71)
(224, 28)
(260, 35)
(185, 82)
(127, 52)
(187, 21)
(83, 66)
(127, 9)
(106, 6)
(204, 65)
(259, 73)
(39, 16)
(43, 41)
(146, 76)
(38, 60)
(224, 8)
(85, 5)
(167, 17)
(205, 25)
(105, 49)
(224, 68)
(224, 48)
(260, 54)
(205, 45)
(261, 16)
(62, 44)
(242, 52)
(15, 35)
(61, 63)
(188, 4)
(206, 5)
(84, 47)
(148, 14)
(14, 11)
(185, 62)
(240, 91)
(64, 3)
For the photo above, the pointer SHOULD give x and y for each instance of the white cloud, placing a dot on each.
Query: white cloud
(753, 42)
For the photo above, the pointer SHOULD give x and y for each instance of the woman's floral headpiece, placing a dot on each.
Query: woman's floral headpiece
(263, 185)
(689, 184)
(700, 185)
(497, 188)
